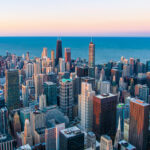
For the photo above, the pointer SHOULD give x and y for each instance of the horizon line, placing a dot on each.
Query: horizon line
(96, 36)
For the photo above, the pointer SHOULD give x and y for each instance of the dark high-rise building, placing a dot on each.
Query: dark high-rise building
(104, 115)
(2, 100)
(147, 66)
(50, 90)
(12, 89)
(4, 120)
(66, 97)
(71, 139)
(58, 51)
(82, 71)
(139, 123)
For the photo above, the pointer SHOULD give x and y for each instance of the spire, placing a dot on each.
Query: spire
(119, 126)
(119, 135)
(91, 39)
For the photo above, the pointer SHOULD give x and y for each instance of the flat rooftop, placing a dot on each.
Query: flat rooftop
(5, 137)
(106, 137)
(107, 95)
(70, 132)
(50, 83)
(25, 147)
(138, 101)
(41, 130)
(66, 80)
(127, 145)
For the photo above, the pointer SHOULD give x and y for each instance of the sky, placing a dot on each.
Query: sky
(74, 17)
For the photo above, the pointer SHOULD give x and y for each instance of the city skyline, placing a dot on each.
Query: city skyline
(75, 18)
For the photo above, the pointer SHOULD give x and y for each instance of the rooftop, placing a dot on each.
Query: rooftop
(138, 101)
(24, 147)
(70, 132)
(4, 138)
(106, 137)
(106, 95)
(126, 145)
(41, 130)
(66, 80)
(50, 83)
(120, 105)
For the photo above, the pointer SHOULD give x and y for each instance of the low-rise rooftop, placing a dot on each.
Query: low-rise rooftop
(70, 132)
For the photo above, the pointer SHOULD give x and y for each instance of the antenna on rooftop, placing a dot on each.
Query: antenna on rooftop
(91, 39)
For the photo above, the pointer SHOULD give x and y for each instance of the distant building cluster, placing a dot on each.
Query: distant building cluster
(59, 103)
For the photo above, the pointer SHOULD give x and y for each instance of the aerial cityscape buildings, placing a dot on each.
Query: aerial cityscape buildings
(62, 103)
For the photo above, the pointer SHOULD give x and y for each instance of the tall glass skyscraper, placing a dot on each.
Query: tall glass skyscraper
(91, 54)
(12, 89)
(58, 51)
(139, 123)
(91, 60)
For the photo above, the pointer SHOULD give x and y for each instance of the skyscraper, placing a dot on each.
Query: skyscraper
(144, 93)
(66, 97)
(131, 64)
(29, 69)
(4, 120)
(67, 55)
(16, 123)
(91, 70)
(38, 81)
(104, 115)
(27, 133)
(58, 51)
(62, 65)
(71, 139)
(25, 95)
(50, 90)
(82, 71)
(42, 101)
(53, 58)
(52, 136)
(37, 68)
(119, 135)
(139, 123)
(91, 54)
(27, 56)
(86, 106)
(44, 53)
(12, 89)
(106, 143)
(104, 87)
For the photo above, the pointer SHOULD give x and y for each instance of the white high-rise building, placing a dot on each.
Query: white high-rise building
(104, 87)
(106, 143)
(29, 70)
(44, 53)
(37, 68)
(52, 137)
(61, 65)
(42, 101)
(86, 106)
(27, 133)
(25, 95)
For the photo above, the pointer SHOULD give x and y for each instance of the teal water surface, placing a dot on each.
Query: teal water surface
(106, 48)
